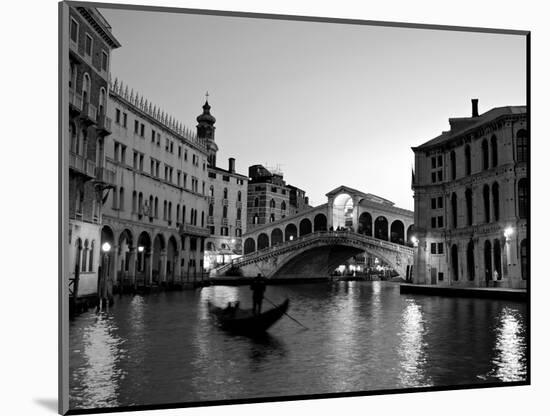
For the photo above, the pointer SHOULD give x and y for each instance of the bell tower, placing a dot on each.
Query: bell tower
(206, 131)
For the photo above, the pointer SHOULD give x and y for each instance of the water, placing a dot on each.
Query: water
(164, 348)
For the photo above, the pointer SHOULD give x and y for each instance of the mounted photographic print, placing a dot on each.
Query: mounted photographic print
(265, 208)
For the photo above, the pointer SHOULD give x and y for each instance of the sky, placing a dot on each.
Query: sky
(331, 104)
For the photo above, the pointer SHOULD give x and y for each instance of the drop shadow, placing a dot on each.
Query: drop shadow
(49, 404)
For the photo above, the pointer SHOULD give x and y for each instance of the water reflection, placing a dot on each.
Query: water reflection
(362, 336)
(509, 361)
(99, 375)
(412, 347)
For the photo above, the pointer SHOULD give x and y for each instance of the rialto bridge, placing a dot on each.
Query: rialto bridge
(314, 242)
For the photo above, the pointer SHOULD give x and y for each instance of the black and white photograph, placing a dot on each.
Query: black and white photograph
(262, 207)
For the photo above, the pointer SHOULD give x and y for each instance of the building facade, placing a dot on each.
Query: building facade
(269, 197)
(227, 195)
(90, 46)
(471, 194)
(155, 215)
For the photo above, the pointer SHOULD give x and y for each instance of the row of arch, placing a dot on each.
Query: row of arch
(491, 197)
(138, 207)
(85, 255)
(489, 154)
(146, 255)
(396, 232)
(380, 230)
(226, 193)
(492, 260)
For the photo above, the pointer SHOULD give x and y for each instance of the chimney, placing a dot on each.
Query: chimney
(474, 108)
(232, 165)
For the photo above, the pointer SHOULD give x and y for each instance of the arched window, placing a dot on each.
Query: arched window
(496, 202)
(453, 165)
(211, 210)
(83, 143)
(151, 207)
(485, 154)
(224, 193)
(91, 262)
(524, 254)
(255, 219)
(238, 213)
(169, 212)
(283, 206)
(165, 211)
(86, 89)
(183, 215)
(84, 256)
(134, 202)
(497, 262)
(156, 207)
(102, 104)
(469, 211)
(454, 210)
(488, 261)
(467, 160)
(494, 151)
(256, 202)
(454, 261)
(487, 202)
(272, 203)
(470, 261)
(272, 218)
(121, 199)
(523, 198)
(522, 143)
(115, 198)
(140, 203)
(225, 211)
(202, 218)
(211, 190)
(239, 196)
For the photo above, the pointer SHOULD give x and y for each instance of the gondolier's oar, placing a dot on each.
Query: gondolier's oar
(295, 320)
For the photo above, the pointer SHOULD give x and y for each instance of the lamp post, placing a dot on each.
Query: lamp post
(102, 292)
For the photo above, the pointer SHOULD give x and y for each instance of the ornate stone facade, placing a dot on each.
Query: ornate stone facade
(471, 201)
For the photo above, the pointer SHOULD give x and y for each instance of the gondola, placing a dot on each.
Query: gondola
(243, 321)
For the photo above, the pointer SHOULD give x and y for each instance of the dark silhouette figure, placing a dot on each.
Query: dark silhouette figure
(258, 289)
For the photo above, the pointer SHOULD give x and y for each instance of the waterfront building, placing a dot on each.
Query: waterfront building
(269, 197)
(471, 194)
(155, 216)
(227, 195)
(90, 46)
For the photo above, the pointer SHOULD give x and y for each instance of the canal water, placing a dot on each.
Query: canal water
(165, 348)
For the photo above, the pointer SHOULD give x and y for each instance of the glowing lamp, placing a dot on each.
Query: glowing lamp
(508, 231)
(106, 247)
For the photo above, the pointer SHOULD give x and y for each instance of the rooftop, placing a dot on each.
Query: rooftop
(463, 125)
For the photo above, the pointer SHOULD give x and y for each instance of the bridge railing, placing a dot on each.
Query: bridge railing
(271, 250)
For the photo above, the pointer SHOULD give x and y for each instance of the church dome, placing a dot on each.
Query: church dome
(206, 117)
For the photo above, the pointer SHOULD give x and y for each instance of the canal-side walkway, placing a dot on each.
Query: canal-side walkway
(471, 292)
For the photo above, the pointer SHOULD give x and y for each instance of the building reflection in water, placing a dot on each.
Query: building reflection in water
(509, 363)
(412, 348)
(99, 375)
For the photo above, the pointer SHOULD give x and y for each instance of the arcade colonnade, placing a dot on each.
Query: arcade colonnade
(148, 256)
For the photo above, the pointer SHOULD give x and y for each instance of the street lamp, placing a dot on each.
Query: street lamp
(140, 249)
(106, 247)
(291, 237)
(414, 241)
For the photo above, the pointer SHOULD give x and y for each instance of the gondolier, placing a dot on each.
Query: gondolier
(258, 289)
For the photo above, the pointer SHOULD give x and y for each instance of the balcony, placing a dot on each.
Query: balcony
(103, 125)
(210, 220)
(75, 102)
(82, 165)
(210, 199)
(189, 229)
(225, 202)
(105, 176)
(89, 114)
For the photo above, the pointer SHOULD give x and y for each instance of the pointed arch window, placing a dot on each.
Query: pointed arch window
(467, 160)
